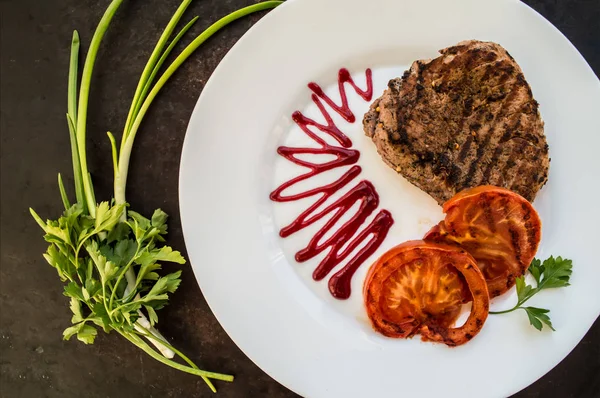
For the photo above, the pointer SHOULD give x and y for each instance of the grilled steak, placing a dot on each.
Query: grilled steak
(463, 119)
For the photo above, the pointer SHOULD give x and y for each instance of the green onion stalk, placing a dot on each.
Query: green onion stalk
(99, 222)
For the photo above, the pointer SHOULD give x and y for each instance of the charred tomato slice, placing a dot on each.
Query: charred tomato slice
(419, 287)
(498, 227)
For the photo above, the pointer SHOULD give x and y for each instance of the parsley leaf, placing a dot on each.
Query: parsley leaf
(85, 333)
(142, 221)
(552, 273)
(166, 284)
(536, 269)
(165, 253)
(159, 221)
(76, 310)
(107, 217)
(73, 290)
(121, 253)
(524, 291)
(537, 316)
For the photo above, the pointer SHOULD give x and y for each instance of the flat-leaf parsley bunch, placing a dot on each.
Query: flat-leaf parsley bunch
(108, 255)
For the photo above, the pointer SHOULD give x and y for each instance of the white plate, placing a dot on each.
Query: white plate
(290, 325)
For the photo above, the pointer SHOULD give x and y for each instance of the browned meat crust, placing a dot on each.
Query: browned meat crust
(463, 119)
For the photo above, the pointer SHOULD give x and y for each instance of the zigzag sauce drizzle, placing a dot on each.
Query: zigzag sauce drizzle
(363, 192)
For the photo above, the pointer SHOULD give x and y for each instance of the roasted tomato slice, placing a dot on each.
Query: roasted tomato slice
(418, 287)
(498, 227)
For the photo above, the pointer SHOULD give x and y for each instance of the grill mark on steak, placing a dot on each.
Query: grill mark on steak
(462, 119)
(510, 164)
(470, 167)
(491, 164)
(482, 144)
(520, 183)
(465, 149)
(506, 101)
(467, 110)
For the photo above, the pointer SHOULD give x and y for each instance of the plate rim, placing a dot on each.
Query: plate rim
(263, 21)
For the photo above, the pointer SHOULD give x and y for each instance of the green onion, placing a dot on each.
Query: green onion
(107, 254)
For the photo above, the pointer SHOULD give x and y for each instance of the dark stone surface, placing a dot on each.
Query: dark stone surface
(35, 362)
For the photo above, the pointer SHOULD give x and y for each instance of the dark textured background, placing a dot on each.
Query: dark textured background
(35, 38)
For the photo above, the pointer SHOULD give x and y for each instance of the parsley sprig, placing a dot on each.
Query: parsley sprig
(109, 256)
(93, 256)
(552, 273)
